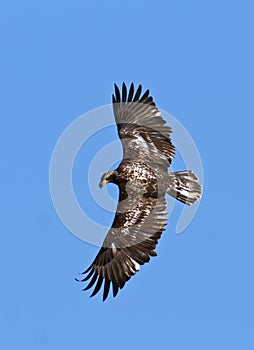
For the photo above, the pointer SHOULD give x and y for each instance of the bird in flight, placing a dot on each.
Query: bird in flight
(143, 181)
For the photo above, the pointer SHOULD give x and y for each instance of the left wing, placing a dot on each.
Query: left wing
(141, 128)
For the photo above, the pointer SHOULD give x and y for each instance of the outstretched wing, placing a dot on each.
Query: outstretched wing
(141, 128)
(137, 227)
(129, 243)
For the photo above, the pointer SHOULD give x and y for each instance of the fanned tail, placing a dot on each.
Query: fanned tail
(184, 186)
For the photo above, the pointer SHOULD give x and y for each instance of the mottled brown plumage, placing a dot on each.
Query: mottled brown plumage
(143, 181)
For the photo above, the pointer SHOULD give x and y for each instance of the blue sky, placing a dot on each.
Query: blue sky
(60, 59)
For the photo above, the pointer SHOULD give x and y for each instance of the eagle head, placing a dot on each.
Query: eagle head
(107, 177)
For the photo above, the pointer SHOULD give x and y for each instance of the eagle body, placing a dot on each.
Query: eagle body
(143, 181)
(135, 177)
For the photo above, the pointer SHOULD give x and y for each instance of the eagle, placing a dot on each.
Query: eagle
(143, 181)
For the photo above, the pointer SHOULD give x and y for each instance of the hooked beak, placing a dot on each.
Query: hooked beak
(102, 183)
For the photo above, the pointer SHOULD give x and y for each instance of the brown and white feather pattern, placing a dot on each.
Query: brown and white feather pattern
(126, 248)
(141, 128)
(143, 182)
(139, 221)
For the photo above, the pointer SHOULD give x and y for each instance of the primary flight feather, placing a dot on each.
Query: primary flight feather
(143, 181)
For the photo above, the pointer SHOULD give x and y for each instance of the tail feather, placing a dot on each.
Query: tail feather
(184, 186)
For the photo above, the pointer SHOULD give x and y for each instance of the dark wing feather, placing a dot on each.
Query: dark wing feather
(141, 128)
(127, 245)
(137, 228)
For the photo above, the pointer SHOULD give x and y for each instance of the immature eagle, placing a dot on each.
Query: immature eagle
(143, 182)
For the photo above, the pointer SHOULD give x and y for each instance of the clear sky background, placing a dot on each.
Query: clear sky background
(60, 59)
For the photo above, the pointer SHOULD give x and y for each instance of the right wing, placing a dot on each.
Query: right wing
(129, 243)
